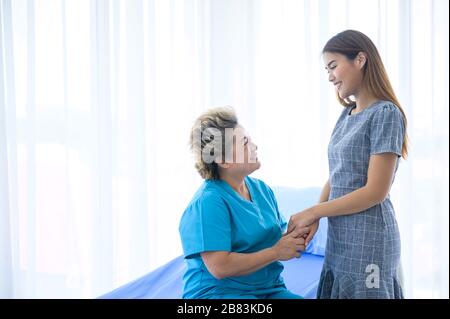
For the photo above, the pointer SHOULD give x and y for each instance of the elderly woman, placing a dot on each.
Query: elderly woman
(231, 231)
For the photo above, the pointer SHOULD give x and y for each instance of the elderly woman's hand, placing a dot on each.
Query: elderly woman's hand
(289, 247)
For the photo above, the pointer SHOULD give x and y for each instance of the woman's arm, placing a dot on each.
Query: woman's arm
(223, 264)
(379, 178)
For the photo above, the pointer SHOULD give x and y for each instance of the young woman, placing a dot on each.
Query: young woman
(363, 246)
(231, 231)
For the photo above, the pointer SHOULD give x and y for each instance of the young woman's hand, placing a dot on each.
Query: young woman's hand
(313, 229)
(304, 224)
(301, 220)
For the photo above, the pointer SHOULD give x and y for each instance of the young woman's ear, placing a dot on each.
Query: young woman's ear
(361, 59)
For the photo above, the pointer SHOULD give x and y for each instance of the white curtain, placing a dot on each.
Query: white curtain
(97, 98)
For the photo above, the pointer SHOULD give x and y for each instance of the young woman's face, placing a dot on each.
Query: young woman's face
(346, 75)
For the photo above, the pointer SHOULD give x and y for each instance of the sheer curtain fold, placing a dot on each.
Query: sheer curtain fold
(6, 269)
(97, 98)
(8, 155)
(103, 170)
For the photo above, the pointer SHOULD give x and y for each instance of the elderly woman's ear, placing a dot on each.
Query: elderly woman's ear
(223, 165)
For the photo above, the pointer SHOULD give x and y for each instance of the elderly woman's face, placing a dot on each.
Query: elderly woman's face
(242, 157)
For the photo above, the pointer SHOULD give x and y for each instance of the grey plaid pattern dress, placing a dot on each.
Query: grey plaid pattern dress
(362, 255)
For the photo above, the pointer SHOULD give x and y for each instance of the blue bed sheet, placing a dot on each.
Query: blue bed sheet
(300, 275)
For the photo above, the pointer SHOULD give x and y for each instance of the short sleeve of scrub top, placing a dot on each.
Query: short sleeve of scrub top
(206, 226)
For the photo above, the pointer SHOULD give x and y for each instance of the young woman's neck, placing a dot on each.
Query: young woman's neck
(363, 100)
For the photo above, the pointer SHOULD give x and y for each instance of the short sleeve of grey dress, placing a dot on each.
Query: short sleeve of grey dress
(363, 249)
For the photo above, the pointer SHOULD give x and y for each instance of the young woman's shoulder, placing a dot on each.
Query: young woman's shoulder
(386, 106)
(386, 111)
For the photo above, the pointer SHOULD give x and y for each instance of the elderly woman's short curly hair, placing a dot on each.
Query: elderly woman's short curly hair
(213, 120)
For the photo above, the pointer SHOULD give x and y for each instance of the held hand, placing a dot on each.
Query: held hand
(306, 232)
(301, 221)
(312, 232)
(299, 232)
(289, 247)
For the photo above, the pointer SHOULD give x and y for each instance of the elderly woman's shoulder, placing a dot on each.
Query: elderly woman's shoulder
(259, 184)
(209, 191)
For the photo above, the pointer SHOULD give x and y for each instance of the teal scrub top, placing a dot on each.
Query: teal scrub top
(218, 218)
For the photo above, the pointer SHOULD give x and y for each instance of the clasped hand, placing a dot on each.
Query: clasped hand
(303, 224)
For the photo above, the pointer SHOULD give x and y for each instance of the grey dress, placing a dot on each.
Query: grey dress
(362, 255)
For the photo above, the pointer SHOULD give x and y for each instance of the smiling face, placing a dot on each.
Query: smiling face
(346, 75)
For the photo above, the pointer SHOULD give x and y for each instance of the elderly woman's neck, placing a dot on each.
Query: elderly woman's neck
(236, 182)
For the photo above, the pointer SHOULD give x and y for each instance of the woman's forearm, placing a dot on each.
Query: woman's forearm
(230, 264)
(379, 179)
(354, 202)
(244, 264)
